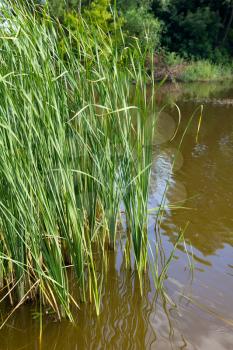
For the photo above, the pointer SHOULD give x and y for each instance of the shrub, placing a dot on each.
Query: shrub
(204, 70)
(141, 24)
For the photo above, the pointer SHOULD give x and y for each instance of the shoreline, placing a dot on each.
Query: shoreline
(194, 71)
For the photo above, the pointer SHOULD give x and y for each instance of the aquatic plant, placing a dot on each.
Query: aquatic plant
(76, 145)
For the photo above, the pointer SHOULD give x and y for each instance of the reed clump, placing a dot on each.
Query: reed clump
(75, 145)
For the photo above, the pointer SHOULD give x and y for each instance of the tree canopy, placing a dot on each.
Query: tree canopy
(197, 29)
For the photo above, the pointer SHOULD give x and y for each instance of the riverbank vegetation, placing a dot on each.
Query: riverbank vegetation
(176, 68)
(197, 34)
(77, 128)
(205, 71)
(76, 147)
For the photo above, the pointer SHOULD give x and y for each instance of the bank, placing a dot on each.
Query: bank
(172, 69)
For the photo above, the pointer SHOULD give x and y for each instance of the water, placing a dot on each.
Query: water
(200, 312)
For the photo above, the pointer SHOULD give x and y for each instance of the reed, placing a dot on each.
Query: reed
(75, 144)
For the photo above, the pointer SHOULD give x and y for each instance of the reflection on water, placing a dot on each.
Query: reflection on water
(200, 315)
(165, 128)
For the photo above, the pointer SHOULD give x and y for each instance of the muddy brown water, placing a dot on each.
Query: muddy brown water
(200, 313)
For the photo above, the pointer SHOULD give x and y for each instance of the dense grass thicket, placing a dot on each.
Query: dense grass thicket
(197, 70)
(205, 71)
(76, 145)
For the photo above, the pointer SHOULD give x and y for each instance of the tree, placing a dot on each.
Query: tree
(200, 28)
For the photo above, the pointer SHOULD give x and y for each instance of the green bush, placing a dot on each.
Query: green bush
(59, 7)
(98, 13)
(172, 58)
(204, 71)
(99, 18)
(202, 28)
(143, 25)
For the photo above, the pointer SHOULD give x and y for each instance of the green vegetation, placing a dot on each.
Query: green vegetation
(205, 71)
(179, 69)
(194, 31)
(200, 29)
(76, 133)
(76, 144)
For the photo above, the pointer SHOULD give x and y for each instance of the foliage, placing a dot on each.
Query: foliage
(76, 143)
(59, 7)
(205, 71)
(143, 25)
(135, 18)
(98, 13)
(105, 28)
(172, 58)
(198, 29)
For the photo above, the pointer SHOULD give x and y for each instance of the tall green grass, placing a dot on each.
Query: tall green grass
(75, 145)
(205, 71)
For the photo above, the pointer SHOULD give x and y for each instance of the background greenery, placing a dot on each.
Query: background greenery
(200, 29)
